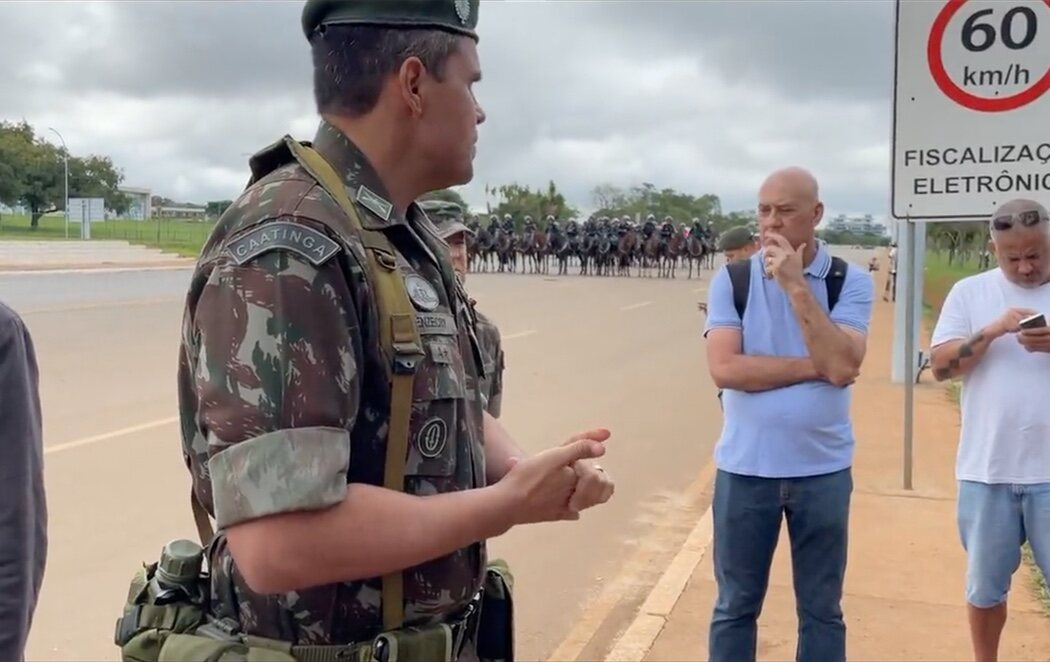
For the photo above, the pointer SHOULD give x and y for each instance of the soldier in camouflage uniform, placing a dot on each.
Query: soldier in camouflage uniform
(454, 232)
(284, 393)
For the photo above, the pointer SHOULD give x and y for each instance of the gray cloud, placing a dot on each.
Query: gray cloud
(700, 96)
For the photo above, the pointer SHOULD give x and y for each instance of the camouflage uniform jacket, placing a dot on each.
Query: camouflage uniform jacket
(283, 394)
(494, 363)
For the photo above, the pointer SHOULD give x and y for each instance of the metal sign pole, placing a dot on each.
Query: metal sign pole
(909, 347)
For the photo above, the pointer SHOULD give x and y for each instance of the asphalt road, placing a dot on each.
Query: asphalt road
(624, 353)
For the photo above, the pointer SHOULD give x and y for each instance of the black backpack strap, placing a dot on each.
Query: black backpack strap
(740, 277)
(834, 280)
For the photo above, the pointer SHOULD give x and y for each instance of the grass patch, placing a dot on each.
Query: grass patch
(955, 390)
(181, 237)
(941, 275)
(1039, 587)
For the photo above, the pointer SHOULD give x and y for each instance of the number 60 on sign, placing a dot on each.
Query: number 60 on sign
(971, 124)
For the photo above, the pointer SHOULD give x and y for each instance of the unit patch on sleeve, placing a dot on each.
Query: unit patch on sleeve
(304, 241)
(432, 438)
(422, 293)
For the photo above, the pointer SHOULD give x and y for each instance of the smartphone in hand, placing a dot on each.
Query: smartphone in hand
(1034, 322)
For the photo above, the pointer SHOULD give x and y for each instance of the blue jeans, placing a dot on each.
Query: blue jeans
(994, 521)
(747, 513)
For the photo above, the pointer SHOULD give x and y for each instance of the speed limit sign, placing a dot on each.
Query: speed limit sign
(971, 108)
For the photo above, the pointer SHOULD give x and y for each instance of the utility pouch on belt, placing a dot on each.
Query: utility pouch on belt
(496, 630)
(164, 598)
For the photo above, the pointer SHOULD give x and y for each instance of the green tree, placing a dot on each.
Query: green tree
(841, 238)
(32, 173)
(520, 201)
(641, 200)
(962, 240)
(723, 222)
(217, 208)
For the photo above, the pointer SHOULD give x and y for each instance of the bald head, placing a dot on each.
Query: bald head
(1021, 241)
(798, 180)
(789, 205)
(1019, 213)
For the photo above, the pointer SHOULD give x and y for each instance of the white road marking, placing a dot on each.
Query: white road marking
(699, 290)
(95, 306)
(635, 306)
(520, 334)
(87, 441)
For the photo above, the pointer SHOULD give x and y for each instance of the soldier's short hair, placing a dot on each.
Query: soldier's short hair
(351, 62)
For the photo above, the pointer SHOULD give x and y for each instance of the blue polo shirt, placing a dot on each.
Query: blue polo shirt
(798, 430)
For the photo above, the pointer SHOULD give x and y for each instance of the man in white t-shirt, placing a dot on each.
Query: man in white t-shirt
(1003, 465)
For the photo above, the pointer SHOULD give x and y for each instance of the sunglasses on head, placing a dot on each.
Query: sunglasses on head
(1026, 219)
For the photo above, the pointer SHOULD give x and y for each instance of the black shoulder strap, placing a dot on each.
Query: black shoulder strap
(740, 277)
(834, 280)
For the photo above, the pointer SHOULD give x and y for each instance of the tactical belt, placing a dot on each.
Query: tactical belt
(412, 643)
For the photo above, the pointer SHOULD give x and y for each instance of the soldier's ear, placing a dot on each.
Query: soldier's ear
(409, 82)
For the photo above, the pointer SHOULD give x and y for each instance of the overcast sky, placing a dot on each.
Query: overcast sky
(704, 97)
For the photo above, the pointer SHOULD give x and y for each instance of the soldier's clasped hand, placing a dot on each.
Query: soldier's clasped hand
(540, 488)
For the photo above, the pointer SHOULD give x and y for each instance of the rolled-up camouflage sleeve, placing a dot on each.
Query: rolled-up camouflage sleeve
(277, 382)
(495, 363)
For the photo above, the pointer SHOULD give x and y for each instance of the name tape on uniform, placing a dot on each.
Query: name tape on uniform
(435, 324)
(306, 242)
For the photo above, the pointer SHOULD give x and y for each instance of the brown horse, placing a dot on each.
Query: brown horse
(534, 245)
(652, 250)
(695, 251)
(627, 249)
(674, 247)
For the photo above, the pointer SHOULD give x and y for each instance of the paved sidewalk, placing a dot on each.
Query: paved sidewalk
(32, 255)
(906, 574)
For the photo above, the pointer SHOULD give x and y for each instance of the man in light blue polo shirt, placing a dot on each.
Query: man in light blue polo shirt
(787, 441)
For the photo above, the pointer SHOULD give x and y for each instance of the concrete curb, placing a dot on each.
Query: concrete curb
(637, 640)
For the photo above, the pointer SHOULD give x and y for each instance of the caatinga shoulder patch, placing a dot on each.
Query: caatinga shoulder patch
(306, 242)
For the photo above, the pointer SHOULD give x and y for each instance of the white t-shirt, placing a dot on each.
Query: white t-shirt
(1005, 436)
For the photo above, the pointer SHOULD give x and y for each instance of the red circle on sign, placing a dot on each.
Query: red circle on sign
(961, 96)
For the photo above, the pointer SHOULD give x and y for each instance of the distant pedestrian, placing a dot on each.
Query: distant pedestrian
(786, 448)
(890, 293)
(23, 505)
(1003, 463)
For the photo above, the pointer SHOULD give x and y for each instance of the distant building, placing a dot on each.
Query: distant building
(857, 225)
(139, 208)
(184, 212)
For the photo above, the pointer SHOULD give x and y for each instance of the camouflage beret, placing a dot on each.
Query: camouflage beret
(458, 16)
(734, 238)
(447, 227)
